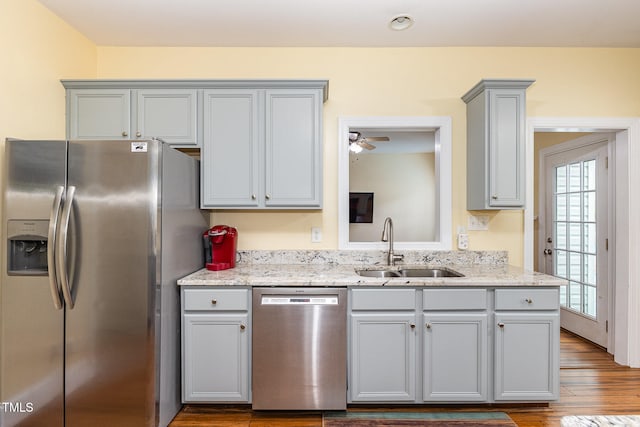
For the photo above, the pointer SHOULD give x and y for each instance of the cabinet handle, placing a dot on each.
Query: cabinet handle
(412, 325)
(428, 325)
(242, 327)
(125, 133)
(528, 300)
(214, 301)
(501, 325)
(138, 134)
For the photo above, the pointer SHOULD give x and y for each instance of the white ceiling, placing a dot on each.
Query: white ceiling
(576, 23)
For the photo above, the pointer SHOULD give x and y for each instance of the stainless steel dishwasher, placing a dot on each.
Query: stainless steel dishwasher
(299, 348)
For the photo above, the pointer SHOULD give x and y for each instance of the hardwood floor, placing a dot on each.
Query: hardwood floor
(591, 383)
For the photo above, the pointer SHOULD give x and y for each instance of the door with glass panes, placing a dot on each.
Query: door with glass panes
(576, 243)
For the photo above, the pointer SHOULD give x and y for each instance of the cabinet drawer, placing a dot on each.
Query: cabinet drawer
(383, 299)
(454, 299)
(527, 299)
(216, 299)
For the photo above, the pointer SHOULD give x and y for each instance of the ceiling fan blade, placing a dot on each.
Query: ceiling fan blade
(376, 138)
(366, 145)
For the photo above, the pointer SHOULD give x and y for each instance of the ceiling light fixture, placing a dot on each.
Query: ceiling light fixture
(401, 22)
(354, 148)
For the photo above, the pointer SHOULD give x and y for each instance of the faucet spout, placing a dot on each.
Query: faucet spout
(387, 236)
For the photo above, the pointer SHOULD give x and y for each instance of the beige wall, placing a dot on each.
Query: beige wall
(37, 50)
(392, 82)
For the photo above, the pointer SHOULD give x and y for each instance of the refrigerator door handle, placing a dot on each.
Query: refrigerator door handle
(51, 249)
(61, 250)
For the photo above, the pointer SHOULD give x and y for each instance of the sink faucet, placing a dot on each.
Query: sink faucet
(387, 236)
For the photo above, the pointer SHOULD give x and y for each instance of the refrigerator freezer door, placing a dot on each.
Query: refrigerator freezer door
(112, 266)
(31, 328)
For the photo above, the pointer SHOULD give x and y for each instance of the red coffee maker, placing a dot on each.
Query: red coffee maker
(220, 244)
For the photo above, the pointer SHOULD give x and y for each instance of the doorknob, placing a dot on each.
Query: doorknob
(547, 252)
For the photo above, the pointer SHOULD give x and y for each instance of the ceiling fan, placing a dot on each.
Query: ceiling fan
(357, 142)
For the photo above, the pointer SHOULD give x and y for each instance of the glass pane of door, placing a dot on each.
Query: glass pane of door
(574, 227)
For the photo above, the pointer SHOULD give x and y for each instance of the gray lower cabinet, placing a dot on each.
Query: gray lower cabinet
(455, 350)
(454, 345)
(262, 148)
(527, 345)
(122, 113)
(382, 363)
(215, 342)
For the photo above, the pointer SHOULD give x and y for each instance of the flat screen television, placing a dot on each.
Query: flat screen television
(360, 207)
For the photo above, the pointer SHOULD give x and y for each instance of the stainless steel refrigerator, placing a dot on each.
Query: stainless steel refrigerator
(96, 234)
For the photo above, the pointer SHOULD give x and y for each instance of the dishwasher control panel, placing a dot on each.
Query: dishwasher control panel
(299, 300)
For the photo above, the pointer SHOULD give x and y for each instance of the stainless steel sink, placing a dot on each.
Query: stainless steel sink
(430, 272)
(379, 273)
(411, 272)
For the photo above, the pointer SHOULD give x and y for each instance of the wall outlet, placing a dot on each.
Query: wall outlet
(463, 241)
(478, 222)
(316, 234)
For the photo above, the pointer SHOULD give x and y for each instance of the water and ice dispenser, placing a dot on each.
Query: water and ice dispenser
(27, 251)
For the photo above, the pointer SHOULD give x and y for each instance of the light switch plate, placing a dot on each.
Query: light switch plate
(478, 222)
(316, 234)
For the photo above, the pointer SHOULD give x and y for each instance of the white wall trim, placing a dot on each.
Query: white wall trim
(627, 295)
(443, 140)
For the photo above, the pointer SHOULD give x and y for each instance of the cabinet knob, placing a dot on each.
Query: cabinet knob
(268, 196)
(138, 134)
(412, 325)
(253, 197)
(125, 133)
(494, 197)
(242, 327)
(528, 300)
(501, 325)
(428, 325)
(214, 301)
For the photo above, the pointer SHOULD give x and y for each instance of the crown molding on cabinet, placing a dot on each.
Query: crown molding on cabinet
(200, 84)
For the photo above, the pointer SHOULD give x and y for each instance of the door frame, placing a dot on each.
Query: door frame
(625, 318)
(587, 142)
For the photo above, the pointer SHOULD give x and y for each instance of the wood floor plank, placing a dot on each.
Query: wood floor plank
(591, 383)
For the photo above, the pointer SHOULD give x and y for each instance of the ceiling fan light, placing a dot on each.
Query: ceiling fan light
(401, 22)
(355, 148)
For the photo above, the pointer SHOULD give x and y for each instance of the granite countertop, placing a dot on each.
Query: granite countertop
(339, 275)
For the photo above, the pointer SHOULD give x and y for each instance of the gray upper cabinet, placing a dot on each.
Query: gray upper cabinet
(99, 114)
(262, 138)
(496, 123)
(108, 112)
(263, 148)
(231, 155)
(168, 114)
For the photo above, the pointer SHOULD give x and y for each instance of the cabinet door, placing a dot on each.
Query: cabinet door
(99, 114)
(383, 357)
(455, 357)
(216, 358)
(527, 356)
(506, 147)
(168, 114)
(231, 166)
(293, 148)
